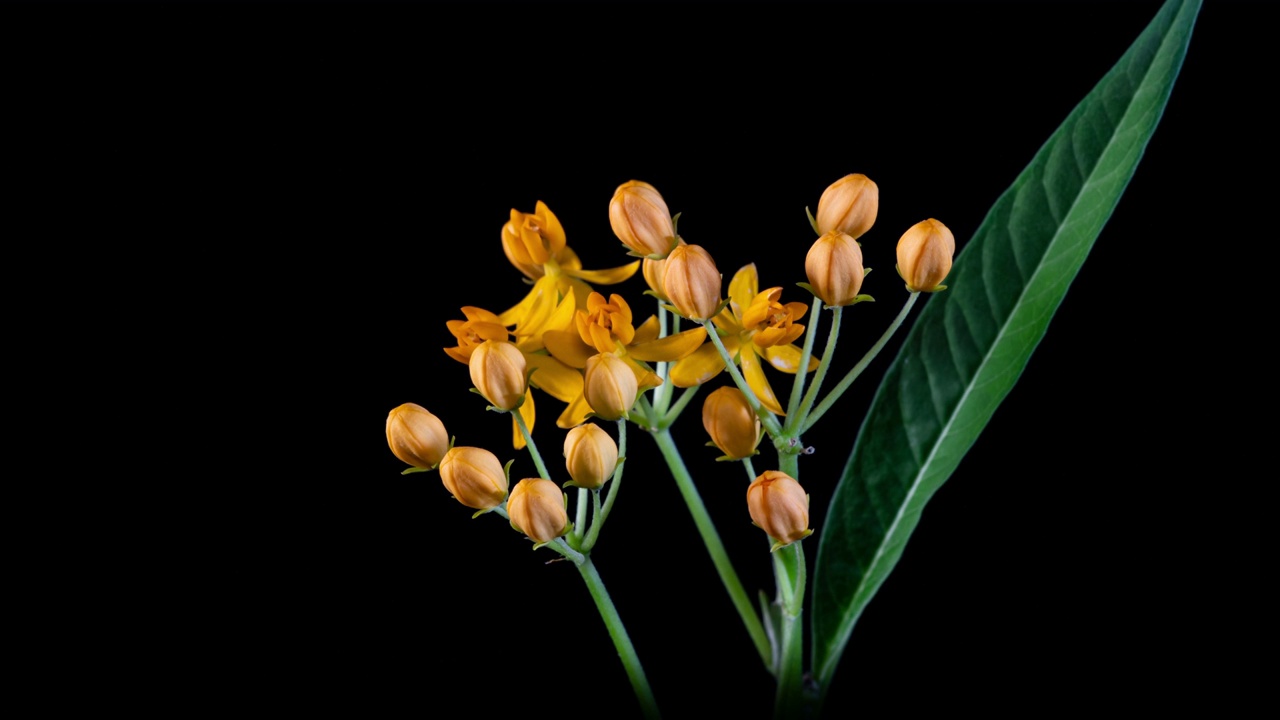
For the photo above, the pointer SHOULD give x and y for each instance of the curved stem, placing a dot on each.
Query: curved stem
(751, 469)
(715, 548)
(650, 421)
(766, 417)
(797, 387)
(533, 448)
(675, 411)
(828, 353)
(562, 547)
(853, 374)
(601, 514)
(621, 641)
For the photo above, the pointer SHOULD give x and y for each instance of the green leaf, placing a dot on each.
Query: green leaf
(970, 344)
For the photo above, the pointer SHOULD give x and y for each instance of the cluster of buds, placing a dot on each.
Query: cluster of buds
(567, 340)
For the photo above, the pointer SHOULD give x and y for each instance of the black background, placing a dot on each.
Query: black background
(340, 175)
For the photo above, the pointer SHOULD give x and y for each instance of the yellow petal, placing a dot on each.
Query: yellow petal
(610, 276)
(671, 347)
(574, 414)
(526, 412)
(551, 228)
(646, 332)
(727, 322)
(555, 378)
(645, 378)
(568, 259)
(698, 367)
(753, 373)
(475, 313)
(567, 347)
(457, 354)
(787, 358)
(743, 289)
(602, 339)
(516, 314)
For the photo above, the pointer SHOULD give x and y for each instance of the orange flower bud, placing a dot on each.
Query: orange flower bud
(590, 455)
(536, 508)
(641, 220)
(498, 372)
(924, 255)
(474, 477)
(609, 386)
(654, 271)
(529, 240)
(849, 205)
(731, 423)
(416, 436)
(780, 507)
(692, 282)
(834, 267)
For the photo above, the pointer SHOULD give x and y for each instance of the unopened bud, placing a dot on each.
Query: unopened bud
(416, 436)
(536, 508)
(849, 205)
(641, 220)
(780, 507)
(609, 386)
(834, 267)
(925, 251)
(692, 282)
(498, 371)
(654, 271)
(590, 455)
(731, 423)
(474, 477)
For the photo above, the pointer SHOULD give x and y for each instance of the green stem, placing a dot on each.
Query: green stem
(828, 353)
(600, 515)
(675, 411)
(533, 448)
(789, 571)
(662, 397)
(621, 641)
(580, 517)
(751, 469)
(715, 548)
(562, 547)
(650, 421)
(797, 387)
(853, 374)
(766, 417)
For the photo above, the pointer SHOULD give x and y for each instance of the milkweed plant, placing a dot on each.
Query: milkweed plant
(753, 356)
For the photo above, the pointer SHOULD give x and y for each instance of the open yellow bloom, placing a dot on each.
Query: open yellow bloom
(605, 326)
(535, 244)
(755, 326)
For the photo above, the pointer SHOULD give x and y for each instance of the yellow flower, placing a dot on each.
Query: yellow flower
(731, 423)
(416, 436)
(754, 326)
(606, 326)
(536, 508)
(535, 244)
(590, 455)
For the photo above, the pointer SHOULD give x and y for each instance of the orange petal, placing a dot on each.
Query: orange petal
(610, 276)
(742, 289)
(574, 414)
(567, 347)
(787, 358)
(753, 373)
(555, 378)
(646, 332)
(671, 347)
(526, 412)
(698, 367)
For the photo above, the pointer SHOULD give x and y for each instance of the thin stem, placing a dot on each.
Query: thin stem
(662, 397)
(562, 547)
(601, 514)
(828, 355)
(751, 469)
(715, 548)
(853, 374)
(766, 417)
(675, 411)
(621, 641)
(533, 448)
(580, 516)
(797, 387)
(651, 422)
